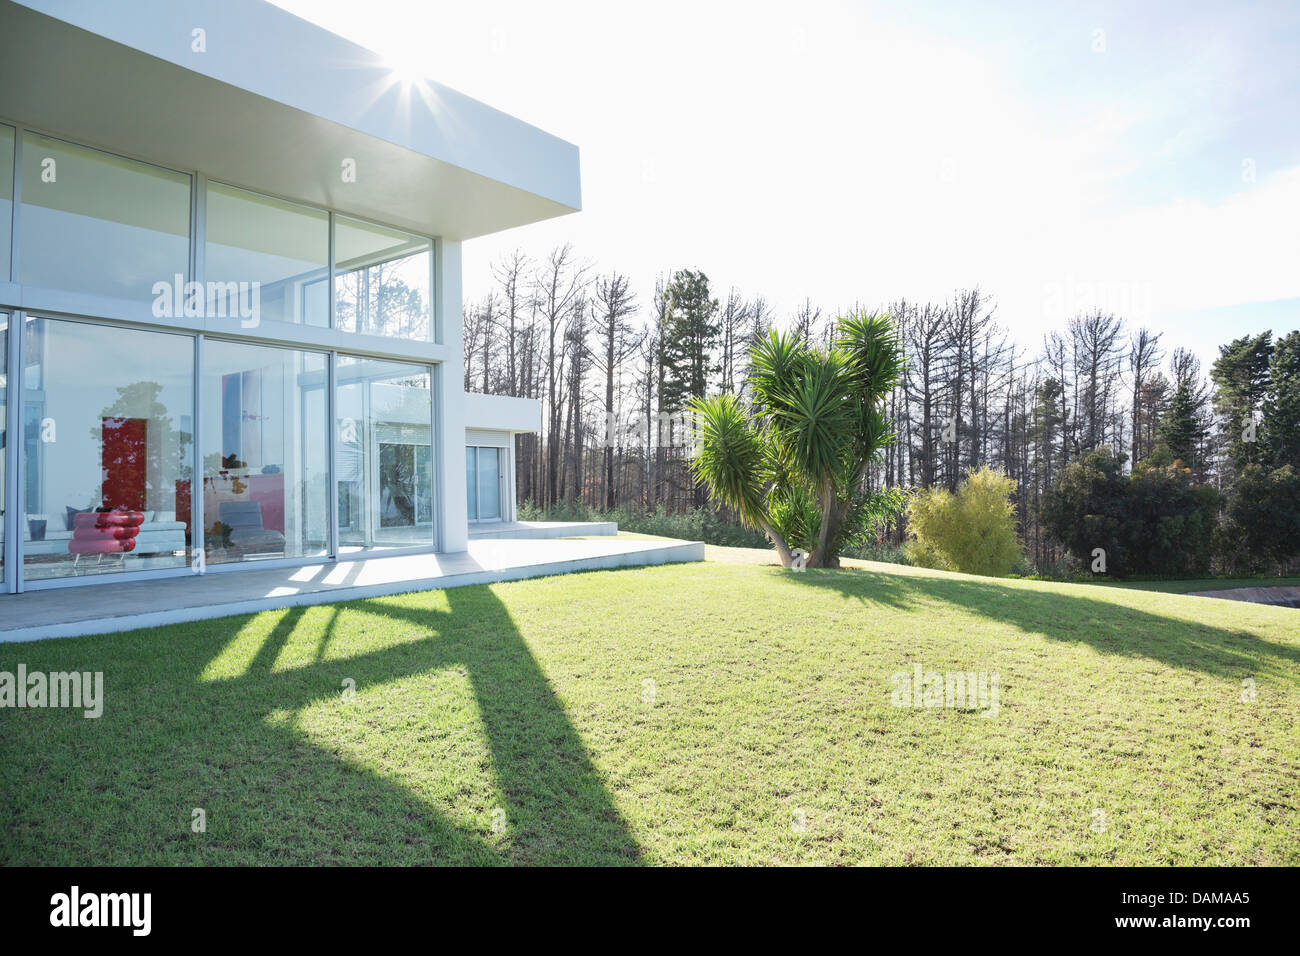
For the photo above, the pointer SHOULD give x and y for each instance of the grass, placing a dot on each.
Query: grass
(680, 714)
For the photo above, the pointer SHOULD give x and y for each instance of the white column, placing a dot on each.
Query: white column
(450, 401)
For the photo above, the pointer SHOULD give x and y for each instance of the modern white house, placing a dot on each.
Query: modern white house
(230, 294)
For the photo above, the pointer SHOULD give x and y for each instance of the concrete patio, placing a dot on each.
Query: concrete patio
(125, 605)
(540, 529)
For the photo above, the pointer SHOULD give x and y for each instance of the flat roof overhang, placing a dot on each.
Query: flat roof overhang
(277, 104)
(502, 413)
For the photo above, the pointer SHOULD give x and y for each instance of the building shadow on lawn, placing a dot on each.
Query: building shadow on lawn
(273, 794)
(1105, 625)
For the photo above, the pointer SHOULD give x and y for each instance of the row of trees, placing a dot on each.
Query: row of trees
(616, 371)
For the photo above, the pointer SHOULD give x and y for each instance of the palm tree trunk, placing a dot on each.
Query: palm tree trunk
(778, 542)
(831, 518)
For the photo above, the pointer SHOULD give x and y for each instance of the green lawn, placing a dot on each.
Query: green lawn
(767, 735)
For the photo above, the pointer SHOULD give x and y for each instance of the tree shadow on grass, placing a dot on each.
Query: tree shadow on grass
(173, 739)
(1105, 625)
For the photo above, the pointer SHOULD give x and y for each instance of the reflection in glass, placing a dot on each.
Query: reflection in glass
(100, 224)
(265, 452)
(108, 422)
(384, 454)
(281, 246)
(382, 281)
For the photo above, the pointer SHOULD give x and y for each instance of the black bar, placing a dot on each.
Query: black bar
(928, 905)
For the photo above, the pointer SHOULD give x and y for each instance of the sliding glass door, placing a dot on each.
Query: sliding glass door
(384, 454)
(483, 483)
(108, 449)
(109, 473)
(265, 452)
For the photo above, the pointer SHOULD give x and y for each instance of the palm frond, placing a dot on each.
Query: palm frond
(731, 458)
(876, 355)
(774, 366)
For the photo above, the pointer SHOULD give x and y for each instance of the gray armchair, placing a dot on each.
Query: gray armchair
(244, 518)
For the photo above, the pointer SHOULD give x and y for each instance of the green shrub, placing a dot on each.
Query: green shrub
(795, 515)
(1155, 521)
(973, 531)
(1260, 528)
(885, 552)
(921, 555)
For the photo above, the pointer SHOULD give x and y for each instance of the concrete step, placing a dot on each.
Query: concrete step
(541, 529)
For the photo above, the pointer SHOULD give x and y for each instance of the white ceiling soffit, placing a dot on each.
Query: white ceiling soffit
(277, 104)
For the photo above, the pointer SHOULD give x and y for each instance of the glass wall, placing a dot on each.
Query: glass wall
(96, 223)
(4, 438)
(384, 459)
(108, 448)
(265, 452)
(6, 197)
(281, 247)
(108, 440)
(383, 284)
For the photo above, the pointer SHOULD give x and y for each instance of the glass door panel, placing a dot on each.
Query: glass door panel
(108, 450)
(471, 482)
(489, 484)
(383, 454)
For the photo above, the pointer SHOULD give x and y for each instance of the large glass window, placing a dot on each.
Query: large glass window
(383, 284)
(384, 454)
(6, 197)
(281, 247)
(97, 223)
(108, 417)
(265, 452)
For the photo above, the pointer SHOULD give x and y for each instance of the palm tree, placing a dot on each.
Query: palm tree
(797, 459)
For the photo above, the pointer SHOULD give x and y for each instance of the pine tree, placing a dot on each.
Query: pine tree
(1240, 375)
(1280, 430)
(1181, 431)
(692, 335)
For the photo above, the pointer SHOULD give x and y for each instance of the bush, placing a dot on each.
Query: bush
(795, 515)
(885, 552)
(973, 531)
(1156, 521)
(1261, 519)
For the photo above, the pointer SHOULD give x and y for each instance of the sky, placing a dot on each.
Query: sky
(1138, 157)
